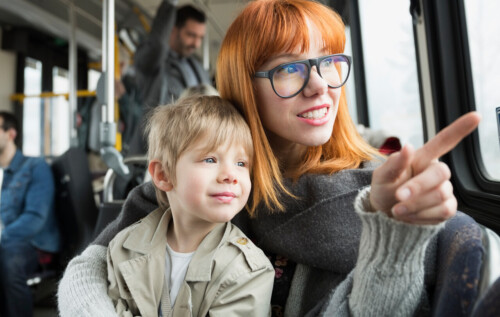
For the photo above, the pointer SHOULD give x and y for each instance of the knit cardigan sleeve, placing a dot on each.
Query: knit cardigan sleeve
(388, 279)
(83, 289)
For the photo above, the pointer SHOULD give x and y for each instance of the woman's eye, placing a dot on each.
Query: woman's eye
(209, 160)
(241, 164)
(327, 62)
(290, 69)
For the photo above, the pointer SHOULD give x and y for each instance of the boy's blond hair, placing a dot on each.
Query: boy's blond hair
(173, 129)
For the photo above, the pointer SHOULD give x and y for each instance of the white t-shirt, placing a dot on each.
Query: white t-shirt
(176, 265)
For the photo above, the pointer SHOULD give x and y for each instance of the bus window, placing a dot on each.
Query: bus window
(60, 113)
(93, 77)
(390, 69)
(483, 27)
(32, 124)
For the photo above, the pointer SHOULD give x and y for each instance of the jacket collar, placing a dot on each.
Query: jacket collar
(200, 268)
(151, 233)
(16, 163)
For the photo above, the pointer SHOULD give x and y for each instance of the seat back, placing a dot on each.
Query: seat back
(108, 211)
(489, 304)
(75, 204)
(459, 265)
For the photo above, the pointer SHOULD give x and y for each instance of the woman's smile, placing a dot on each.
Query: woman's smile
(316, 115)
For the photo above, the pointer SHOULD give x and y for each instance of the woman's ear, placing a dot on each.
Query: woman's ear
(159, 176)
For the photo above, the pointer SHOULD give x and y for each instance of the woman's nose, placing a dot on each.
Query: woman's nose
(316, 84)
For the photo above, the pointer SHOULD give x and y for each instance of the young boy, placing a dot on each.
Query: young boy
(186, 258)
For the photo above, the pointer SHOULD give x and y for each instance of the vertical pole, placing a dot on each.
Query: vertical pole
(109, 153)
(206, 51)
(110, 57)
(72, 76)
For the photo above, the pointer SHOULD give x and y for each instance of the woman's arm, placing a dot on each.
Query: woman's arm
(389, 276)
(388, 279)
(83, 289)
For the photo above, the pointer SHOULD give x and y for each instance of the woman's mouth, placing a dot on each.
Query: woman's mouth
(314, 114)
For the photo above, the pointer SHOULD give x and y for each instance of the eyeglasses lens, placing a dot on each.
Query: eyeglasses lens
(289, 79)
(334, 70)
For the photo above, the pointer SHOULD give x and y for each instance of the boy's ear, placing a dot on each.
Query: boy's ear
(159, 176)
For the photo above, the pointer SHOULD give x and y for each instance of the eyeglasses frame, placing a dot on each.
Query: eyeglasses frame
(310, 62)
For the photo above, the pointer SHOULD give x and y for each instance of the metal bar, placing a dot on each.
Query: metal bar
(427, 103)
(359, 70)
(206, 51)
(82, 12)
(79, 93)
(109, 54)
(73, 141)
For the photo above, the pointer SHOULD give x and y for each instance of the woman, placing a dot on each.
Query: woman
(281, 64)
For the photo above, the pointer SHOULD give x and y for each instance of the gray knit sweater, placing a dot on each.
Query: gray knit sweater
(322, 232)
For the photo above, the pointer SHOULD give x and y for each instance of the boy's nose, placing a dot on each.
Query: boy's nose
(227, 176)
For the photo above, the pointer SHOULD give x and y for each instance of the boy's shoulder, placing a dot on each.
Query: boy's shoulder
(149, 223)
(254, 258)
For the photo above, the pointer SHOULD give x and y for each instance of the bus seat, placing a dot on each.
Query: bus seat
(462, 267)
(108, 211)
(489, 304)
(75, 203)
(113, 197)
(76, 212)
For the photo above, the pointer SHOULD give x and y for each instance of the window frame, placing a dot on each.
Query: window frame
(453, 95)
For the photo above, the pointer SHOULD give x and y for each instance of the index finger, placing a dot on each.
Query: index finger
(445, 140)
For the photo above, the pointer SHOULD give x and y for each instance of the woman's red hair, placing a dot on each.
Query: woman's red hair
(262, 30)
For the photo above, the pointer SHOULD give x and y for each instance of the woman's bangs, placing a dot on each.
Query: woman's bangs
(329, 24)
(284, 29)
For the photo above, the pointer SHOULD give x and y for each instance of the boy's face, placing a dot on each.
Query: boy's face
(210, 187)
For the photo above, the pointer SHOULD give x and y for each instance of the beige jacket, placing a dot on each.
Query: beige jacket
(228, 275)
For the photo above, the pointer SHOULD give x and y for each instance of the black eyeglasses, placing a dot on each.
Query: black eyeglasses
(289, 79)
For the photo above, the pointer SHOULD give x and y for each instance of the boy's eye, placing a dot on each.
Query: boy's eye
(209, 160)
(241, 164)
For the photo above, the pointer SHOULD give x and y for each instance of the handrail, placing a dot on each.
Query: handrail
(142, 18)
(110, 177)
(48, 94)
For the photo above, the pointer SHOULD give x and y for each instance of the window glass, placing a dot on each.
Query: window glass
(391, 70)
(483, 27)
(60, 113)
(32, 112)
(93, 77)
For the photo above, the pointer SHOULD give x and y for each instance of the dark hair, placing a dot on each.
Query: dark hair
(9, 121)
(187, 12)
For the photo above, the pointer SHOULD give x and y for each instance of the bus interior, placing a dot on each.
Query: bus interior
(417, 66)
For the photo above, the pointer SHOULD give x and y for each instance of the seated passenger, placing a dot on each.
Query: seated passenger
(185, 254)
(28, 221)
